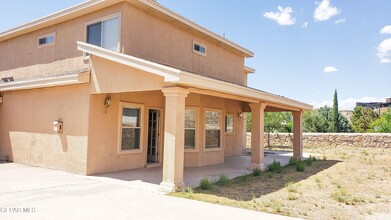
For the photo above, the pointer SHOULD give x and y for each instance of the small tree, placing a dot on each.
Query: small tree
(362, 118)
(383, 123)
(277, 122)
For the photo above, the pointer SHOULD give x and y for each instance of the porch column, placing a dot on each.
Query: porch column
(298, 133)
(174, 126)
(257, 136)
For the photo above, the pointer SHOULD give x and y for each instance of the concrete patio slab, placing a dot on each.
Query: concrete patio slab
(148, 179)
(38, 193)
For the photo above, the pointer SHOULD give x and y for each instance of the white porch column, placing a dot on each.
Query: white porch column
(257, 136)
(298, 133)
(173, 161)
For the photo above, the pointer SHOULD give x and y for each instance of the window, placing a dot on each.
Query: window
(229, 123)
(130, 128)
(199, 48)
(212, 129)
(104, 33)
(190, 128)
(46, 40)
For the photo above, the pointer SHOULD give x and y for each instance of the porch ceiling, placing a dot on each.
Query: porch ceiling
(199, 84)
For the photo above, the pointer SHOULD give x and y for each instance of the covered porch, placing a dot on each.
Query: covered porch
(179, 89)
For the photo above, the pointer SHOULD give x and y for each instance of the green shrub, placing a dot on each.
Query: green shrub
(293, 161)
(300, 167)
(223, 180)
(313, 158)
(257, 172)
(275, 167)
(308, 161)
(205, 184)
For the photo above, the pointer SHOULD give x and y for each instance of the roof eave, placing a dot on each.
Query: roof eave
(177, 76)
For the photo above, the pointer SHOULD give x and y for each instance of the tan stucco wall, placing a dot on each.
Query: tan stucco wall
(104, 127)
(26, 122)
(142, 35)
(232, 144)
(153, 39)
(23, 51)
(111, 77)
(103, 131)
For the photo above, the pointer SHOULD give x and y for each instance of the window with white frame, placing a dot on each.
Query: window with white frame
(199, 48)
(212, 129)
(46, 40)
(131, 128)
(190, 128)
(104, 33)
(229, 123)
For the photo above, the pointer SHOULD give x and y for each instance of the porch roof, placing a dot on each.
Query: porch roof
(197, 83)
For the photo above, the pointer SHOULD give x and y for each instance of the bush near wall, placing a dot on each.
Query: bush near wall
(329, 139)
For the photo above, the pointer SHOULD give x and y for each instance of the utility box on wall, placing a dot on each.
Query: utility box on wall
(57, 126)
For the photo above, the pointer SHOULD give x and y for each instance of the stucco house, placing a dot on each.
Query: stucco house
(110, 85)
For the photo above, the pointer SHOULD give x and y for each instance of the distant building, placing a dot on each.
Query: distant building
(380, 107)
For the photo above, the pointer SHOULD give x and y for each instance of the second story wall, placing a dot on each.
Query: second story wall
(21, 57)
(146, 36)
(142, 35)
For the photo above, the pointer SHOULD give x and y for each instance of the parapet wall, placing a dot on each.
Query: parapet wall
(329, 139)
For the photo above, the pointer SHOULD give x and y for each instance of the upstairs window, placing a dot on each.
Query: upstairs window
(46, 40)
(104, 33)
(199, 48)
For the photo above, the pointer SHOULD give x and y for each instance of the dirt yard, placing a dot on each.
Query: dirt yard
(344, 183)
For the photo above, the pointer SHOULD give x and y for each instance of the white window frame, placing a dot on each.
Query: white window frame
(198, 52)
(220, 148)
(101, 19)
(123, 105)
(195, 149)
(53, 34)
(225, 124)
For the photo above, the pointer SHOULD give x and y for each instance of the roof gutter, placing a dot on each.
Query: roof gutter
(46, 82)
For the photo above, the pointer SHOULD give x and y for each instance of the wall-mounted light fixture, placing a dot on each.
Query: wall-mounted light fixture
(240, 114)
(107, 103)
(57, 126)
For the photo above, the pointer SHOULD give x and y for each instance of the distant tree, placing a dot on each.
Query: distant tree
(320, 121)
(335, 114)
(383, 123)
(362, 118)
(344, 124)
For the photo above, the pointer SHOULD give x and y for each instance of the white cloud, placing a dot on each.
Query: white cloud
(305, 25)
(383, 51)
(330, 69)
(340, 21)
(283, 16)
(386, 30)
(324, 11)
(347, 104)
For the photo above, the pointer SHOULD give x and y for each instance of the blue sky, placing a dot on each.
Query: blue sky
(303, 49)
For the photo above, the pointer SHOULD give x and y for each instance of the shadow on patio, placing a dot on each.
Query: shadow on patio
(249, 187)
(148, 179)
